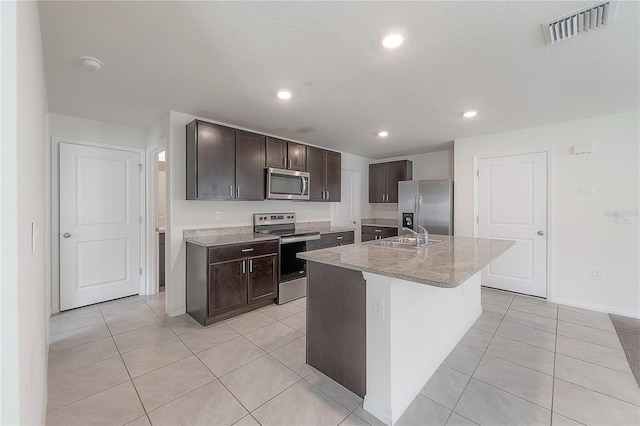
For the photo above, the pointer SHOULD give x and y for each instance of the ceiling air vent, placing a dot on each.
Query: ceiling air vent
(580, 21)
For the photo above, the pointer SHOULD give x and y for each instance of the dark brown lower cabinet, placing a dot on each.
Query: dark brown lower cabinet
(225, 281)
(337, 325)
(371, 232)
(336, 239)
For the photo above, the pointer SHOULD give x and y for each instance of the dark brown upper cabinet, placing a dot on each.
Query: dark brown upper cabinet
(250, 154)
(286, 155)
(224, 163)
(325, 171)
(384, 178)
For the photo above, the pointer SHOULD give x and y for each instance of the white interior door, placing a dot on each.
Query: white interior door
(512, 204)
(347, 212)
(99, 224)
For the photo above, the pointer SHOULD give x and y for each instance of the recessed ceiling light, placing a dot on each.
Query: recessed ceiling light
(91, 62)
(284, 94)
(470, 114)
(383, 134)
(393, 40)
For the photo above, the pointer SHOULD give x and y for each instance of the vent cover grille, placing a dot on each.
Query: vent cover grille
(580, 21)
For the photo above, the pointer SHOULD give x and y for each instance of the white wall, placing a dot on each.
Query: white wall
(581, 234)
(25, 309)
(354, 163)
(183, 214)
(432, 165)
(70, 127)
(9, 327)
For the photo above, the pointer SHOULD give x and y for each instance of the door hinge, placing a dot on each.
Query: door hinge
(140, 167)
(140, 271)
(478, 173)
(478, 219)
(140, 219)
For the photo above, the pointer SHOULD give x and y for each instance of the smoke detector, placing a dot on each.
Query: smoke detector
(580, 21)
(91, 62)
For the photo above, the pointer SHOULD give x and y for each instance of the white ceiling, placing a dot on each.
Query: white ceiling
(226, 60)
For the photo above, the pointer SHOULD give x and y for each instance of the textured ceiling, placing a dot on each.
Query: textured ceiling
(226, 60)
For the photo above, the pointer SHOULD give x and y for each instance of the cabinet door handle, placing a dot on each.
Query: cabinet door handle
(324, 195)
(284, 162)
(377, 230)
(244, 266)
(238, 191)
(230, 190)
(250, 266)
(327, 195)
(247, 250)
(289, 162)
(339, 238)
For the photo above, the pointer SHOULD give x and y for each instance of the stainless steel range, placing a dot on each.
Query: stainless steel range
(292, 272)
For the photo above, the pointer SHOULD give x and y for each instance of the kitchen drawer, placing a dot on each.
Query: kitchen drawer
(382, 231)
(239, 251)
(336, 238)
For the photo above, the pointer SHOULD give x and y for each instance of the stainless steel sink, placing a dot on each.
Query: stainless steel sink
(404, 243)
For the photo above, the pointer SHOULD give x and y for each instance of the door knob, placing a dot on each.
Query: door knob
(66, 235)
(540, 232)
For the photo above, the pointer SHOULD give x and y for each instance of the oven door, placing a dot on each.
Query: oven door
(287, 184)
(291, 267)
(292, 272)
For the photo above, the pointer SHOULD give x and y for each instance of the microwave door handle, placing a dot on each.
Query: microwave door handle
(304, 185)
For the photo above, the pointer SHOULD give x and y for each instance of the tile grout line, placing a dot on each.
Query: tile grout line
(479, 361)
(126, 369)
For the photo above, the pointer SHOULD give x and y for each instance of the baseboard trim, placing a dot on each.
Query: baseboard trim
(595, 307)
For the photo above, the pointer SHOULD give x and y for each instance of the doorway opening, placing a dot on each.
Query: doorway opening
(161, 200)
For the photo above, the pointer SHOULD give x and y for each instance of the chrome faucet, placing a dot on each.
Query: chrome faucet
(422, 238)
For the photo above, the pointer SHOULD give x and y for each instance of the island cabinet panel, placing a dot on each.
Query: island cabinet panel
(286, 155)
(325, 172)
(372, 232)
(336, 324)
(384, 178)
(224, 163)
(225, 281)
(336, 239)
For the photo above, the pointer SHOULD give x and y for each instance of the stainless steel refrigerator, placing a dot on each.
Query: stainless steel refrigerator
(428, 203)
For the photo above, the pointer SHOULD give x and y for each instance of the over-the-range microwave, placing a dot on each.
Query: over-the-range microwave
(285, 184)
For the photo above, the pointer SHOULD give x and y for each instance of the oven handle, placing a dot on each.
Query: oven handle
(304, 185)
(289, 240)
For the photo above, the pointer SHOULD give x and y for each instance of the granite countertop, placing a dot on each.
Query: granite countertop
(224, 239)
(210, 237)
(389, 223)
(447, 264)
(327, 229)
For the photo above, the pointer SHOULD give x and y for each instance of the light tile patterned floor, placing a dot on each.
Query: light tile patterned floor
(525, 362)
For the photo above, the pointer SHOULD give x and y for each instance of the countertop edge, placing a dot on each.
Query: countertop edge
(249, 238)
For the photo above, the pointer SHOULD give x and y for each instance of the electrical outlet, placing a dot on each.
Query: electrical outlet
(218, 215)
(596, 274)
(378, 308)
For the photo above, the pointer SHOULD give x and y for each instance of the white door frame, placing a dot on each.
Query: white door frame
(550, 227)
(151, 283)
(55, 213)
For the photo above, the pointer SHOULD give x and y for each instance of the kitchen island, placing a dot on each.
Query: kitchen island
(381, 319)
